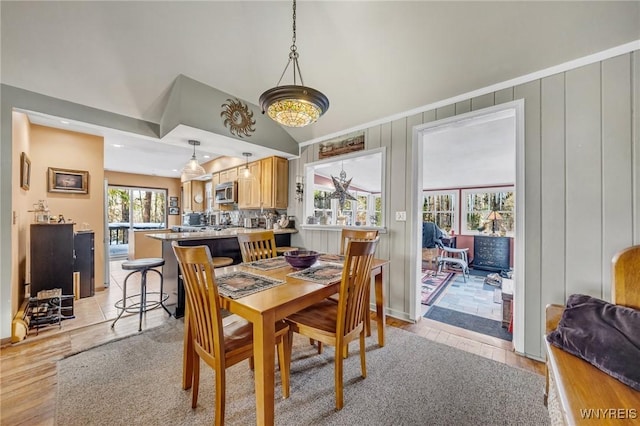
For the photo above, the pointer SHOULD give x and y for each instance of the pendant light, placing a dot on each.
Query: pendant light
(192, 169)
(246, 173)
(294, 105)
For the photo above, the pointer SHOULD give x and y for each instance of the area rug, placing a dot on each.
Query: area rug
(410, 381)
(475, 323)
(433, 284)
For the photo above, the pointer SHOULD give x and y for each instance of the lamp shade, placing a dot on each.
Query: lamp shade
(192, 169)
(494, 215)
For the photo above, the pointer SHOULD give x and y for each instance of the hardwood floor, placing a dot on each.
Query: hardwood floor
(28, 371)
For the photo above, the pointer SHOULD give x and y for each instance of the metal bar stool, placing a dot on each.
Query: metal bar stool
(142, 304)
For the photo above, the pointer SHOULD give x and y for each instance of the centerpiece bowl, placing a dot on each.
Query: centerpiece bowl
(301, 258)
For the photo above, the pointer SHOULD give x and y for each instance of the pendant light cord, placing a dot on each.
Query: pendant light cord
(293, 55)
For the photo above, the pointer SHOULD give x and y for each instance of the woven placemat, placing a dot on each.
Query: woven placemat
(326, 273)
(267, 264)
(239, 284)
(328, 257)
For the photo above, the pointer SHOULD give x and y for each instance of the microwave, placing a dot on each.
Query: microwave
(226, 193)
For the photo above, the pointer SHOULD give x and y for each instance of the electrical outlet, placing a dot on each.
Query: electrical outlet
(401, 216)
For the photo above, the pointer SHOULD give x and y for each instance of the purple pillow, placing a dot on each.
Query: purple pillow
(605, 335)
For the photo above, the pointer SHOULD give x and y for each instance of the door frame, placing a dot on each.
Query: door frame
(420, 133)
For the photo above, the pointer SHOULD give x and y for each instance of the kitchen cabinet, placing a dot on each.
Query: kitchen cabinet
(229, 175)
(274, 184)
(268, 186)
(215, 180)
(193, 196)
(249, 190)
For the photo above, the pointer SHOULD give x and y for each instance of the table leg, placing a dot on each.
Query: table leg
(264, 341)
(187, 353)
(380, 315)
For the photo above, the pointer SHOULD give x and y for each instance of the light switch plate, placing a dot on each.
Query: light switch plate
(401, 216)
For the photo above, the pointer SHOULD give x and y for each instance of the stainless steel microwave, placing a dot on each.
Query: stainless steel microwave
(226, 193)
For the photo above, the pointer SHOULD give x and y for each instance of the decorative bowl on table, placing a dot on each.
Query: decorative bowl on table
(301, 258)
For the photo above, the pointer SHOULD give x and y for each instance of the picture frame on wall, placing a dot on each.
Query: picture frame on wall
(174, 210)
(25, 171)
(173, 201)
(67, 180)
(341, 146)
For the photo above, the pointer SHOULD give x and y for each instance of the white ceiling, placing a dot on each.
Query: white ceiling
(373, 59)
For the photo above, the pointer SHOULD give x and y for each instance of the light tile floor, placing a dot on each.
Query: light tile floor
(473, 297)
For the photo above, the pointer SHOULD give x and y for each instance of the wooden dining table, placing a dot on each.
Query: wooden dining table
(266, 307)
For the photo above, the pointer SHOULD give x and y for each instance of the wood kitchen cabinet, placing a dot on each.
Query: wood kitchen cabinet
(229, 175)
(274, 184)
(249, 190)
(268, 186)
(193, 196)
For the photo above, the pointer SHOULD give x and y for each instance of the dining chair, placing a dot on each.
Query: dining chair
(257, 245)
(217, 345)
(337, 324)
(347, 235)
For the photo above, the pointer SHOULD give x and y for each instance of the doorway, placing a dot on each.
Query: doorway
(470, 169)
(130, 209)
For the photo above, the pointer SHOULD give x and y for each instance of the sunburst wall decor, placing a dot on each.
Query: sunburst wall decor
(238, 118)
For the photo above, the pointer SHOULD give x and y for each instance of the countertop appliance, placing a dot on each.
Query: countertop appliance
(226, 193)
(250, 222)
(192, 219)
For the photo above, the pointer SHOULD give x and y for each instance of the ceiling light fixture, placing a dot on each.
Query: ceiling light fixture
(294, 105)
(192, 169)
(246, 173)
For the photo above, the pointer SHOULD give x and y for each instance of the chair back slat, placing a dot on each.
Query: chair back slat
(257, 245)
(349, 234)
(203, 303)
(356, 278)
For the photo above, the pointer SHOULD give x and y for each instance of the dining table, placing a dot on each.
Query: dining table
(264, 308)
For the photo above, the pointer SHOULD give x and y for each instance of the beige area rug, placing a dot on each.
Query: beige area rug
(411, 381)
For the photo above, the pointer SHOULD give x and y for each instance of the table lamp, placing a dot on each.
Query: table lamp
(493, 217)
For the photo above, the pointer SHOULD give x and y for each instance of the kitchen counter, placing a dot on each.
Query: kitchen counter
(221, 243)
(213, 234)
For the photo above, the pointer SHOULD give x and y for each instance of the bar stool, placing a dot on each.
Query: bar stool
(219, 262)
(142, 304)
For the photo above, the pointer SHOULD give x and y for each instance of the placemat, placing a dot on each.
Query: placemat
(324, 274)
(239, 284)
(328, 257)
(267, 264)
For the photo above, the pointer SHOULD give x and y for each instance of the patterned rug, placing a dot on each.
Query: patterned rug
(433, 284)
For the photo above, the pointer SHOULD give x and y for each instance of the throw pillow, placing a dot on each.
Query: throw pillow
(603, 334)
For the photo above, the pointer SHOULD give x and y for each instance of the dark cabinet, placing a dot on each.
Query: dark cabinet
(52, 260)
(83, 244)
(491, 253)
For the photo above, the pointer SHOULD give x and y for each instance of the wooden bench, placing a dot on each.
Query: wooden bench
(584, 394)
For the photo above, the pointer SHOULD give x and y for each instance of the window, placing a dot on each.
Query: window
(477, 204)
(440, 207)
(365, 171)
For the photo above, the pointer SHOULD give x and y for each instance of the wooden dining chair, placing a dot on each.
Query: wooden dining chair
(337, 324)
(257, 245)
(219, 347)
(347, 235)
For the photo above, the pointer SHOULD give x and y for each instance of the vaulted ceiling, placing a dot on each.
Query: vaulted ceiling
(373, 59)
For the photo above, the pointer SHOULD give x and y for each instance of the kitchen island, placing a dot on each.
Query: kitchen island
(221, 243)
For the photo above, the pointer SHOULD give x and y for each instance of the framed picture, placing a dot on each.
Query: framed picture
(173, 202)
(341, 146)
(174, 210)
(70, 181)
(25, 171)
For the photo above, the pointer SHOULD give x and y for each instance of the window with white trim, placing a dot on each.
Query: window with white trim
(478, 204)
(440, 207)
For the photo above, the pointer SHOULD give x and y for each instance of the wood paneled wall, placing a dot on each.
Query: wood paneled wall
(582, 185)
